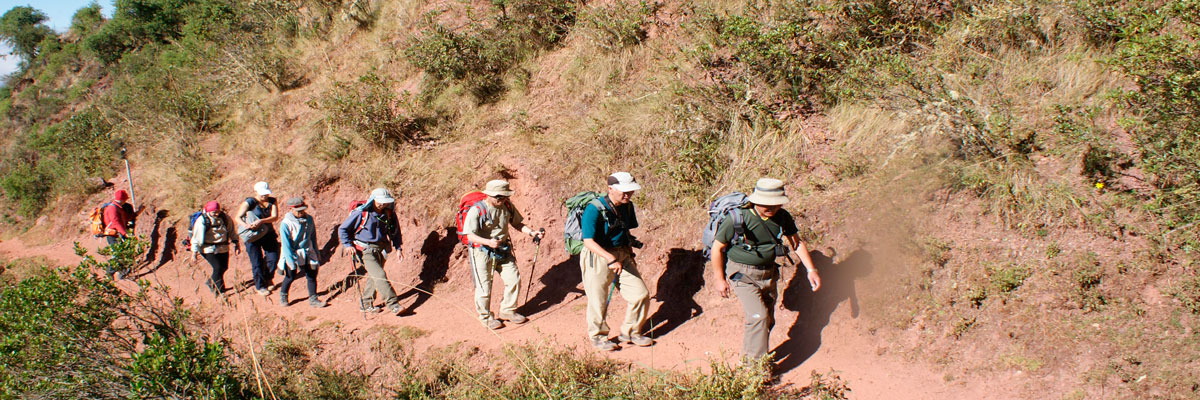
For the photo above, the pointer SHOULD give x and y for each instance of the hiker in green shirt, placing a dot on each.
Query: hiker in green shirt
(748, 263)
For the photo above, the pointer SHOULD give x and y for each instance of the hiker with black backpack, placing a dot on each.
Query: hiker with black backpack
(745, 245)
(212, 234)
(485, 226)
(299, 255)
(254, 219)
(607, 263)
(118, 220)
(371, 231)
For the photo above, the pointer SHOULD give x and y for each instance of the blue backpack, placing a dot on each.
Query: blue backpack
(187, 241)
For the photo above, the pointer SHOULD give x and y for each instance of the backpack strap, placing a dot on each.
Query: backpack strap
(603, 209)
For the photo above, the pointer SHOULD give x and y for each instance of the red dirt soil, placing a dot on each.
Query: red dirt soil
(815, 332)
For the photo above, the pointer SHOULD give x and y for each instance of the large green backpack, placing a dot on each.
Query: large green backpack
(572, 230)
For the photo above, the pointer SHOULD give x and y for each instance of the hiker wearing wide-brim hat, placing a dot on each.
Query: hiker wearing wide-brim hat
(607, 263)
(747, 263)
(298, 251)
(372, 230)
(486, 228)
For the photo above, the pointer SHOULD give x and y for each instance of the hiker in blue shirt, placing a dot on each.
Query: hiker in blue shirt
(298, 251)
(607, 264)
(372, 231)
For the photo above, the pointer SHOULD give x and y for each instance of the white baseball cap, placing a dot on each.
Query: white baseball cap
(623, 181)
(262, 189)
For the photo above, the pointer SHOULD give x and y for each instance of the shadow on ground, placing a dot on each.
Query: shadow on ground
(815, 308)
(676, 290)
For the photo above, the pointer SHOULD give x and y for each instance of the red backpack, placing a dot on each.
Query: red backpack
(468, 201)
(362, 218)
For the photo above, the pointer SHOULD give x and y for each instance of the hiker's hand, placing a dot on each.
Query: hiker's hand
(614, 266)
(345, 250)
(814, 279)
(722, 288)
(195, 256)
(237, 249)
(537, 235)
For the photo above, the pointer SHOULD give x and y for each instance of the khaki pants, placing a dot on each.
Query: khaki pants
(481, 274)
(756, 291)
(596, 281)
(373, 258)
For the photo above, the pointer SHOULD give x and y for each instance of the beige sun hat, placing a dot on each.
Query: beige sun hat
(497, 188)
(768, 192)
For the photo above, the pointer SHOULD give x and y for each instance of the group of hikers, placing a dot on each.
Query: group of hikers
(746, 238)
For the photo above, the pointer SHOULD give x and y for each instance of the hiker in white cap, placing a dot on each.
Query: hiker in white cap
(255, 218)
(747, 261)
(607, 264)
(486, 227)
(372, 231)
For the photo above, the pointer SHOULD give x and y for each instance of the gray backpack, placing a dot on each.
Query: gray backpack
(722, 206)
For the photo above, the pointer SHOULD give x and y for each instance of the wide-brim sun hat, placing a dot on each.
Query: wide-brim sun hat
(623, 182)
(262, 189)
(497, 188)
(382, 196)
(768, 192)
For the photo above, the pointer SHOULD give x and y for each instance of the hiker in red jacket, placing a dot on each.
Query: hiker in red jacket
(119, 219)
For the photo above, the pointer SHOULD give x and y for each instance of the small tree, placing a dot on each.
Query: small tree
(22, 28)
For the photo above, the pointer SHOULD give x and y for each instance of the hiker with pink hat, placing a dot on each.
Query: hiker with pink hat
(118, 218)
(212, 235)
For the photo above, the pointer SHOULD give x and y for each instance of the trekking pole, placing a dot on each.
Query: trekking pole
(537, 247)
(128, 176)
(355, 261)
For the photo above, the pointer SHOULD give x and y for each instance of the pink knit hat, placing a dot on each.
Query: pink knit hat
(212, 206)
(120, 195)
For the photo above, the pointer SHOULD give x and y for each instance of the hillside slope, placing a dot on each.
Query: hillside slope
(1006, 191)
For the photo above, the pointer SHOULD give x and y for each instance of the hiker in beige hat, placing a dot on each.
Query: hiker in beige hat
(747, 261)
(486, 228)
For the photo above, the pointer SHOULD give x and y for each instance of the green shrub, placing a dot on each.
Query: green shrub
(179, 366)
(1005, 279)
(1187, 292)
(368, 108)
(620, 25)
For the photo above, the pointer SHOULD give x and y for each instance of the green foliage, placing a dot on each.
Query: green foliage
(827, 386)
(1187, 292)
(86, 20)
(1005, 279)
(1086, 278)
(22, 28)
(368, 108)
(24, 184)
(53, 336)
(620, 25)
(1156, 47)
(480, 56)
(136, 23)
(57, 160)
(180, 366)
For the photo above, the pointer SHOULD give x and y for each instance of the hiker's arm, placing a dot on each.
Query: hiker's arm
(801, 252)
(718, 267)
(343, 231)
(594, 247)
(241, 212)
(472, 228)
(271, 218)
(286, 254)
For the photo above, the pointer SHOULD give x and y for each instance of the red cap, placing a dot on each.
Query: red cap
(212, 206)
(120, 195)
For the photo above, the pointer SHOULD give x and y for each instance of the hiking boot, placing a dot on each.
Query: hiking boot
(264, 292)
(394, 308)
(494, 324)
(315, 303)
(283, 299)
(515, 318)
(368, 308)
(636, 339)
(602, 343)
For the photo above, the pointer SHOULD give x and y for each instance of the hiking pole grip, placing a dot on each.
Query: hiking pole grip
(537, 241)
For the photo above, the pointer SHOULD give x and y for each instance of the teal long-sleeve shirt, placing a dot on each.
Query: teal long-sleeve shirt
(297, 241)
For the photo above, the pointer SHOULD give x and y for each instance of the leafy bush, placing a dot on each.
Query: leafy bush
(368, 108)
(620, 25)
(180, 366)
(22, 28)
(1005, 279)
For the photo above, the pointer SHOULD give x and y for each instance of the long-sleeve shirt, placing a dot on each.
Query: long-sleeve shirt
(212, 239)
(382, 229)
(116, 219)
(297, 241)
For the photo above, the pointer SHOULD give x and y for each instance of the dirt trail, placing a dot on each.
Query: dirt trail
(684, 341)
